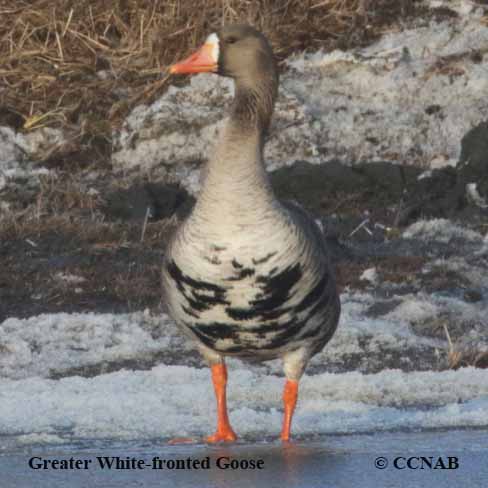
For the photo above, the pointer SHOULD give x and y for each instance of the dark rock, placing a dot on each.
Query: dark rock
(392, 191)
(130, 204)
(10, 118)
(310, 184)
(391, 179)
(160, 200)
(473, 163)
(433, 196)
(432, 109)
(472, 296)
(443, 194)
(313, 185)
(169, 200)
(476, 57)
(443, 13)
(381, 308)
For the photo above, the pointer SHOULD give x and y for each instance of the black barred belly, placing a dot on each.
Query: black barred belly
(268, 323)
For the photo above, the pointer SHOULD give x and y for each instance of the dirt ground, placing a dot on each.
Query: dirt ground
(83, 253)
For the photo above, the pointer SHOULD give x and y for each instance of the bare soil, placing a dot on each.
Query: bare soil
(116, 246)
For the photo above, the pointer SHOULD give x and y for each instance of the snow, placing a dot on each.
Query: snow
(348, 106)
(52, 344)
(360, 96)
(370, 275)
(178, 400)
(474, 196)
(65, 377)
(156, 391)
(415, 308)
(69, 278)
(17, 151)
(63, 344)
(368, 338)
(440, 230)
(181, 127)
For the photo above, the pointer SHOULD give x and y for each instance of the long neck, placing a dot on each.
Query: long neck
(254, 103)
(236, 183)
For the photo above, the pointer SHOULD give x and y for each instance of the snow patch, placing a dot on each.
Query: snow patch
(177, 400)
(361, 96)
(348, 106)
(461, 7)
(414, 309)
(64, 344)
(370, 275)
(17, 150)
(440, 230)
(52, 344)
(182, 127)
(69, 278)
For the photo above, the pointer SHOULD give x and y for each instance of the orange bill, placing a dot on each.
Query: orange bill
(199, 62)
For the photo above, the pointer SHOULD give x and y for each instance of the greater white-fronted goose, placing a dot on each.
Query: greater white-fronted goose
(246, 275)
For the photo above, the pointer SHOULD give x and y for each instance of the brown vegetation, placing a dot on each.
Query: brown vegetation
(459, 359)
(83, 64)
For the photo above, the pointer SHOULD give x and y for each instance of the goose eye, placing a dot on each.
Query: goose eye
(231, 40)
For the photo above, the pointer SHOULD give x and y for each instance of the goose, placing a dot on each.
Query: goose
(246, 275)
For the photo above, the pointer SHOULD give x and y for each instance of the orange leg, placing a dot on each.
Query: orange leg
(290, 395)
(224, 430)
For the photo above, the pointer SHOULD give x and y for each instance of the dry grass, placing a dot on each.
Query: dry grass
(83, 64)
(37, 222)
(63, 206)
(458, 359)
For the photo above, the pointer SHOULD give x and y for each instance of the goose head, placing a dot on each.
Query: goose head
(240, 52)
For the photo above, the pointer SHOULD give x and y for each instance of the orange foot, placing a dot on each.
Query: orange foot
(222, 435)
(285, 438)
